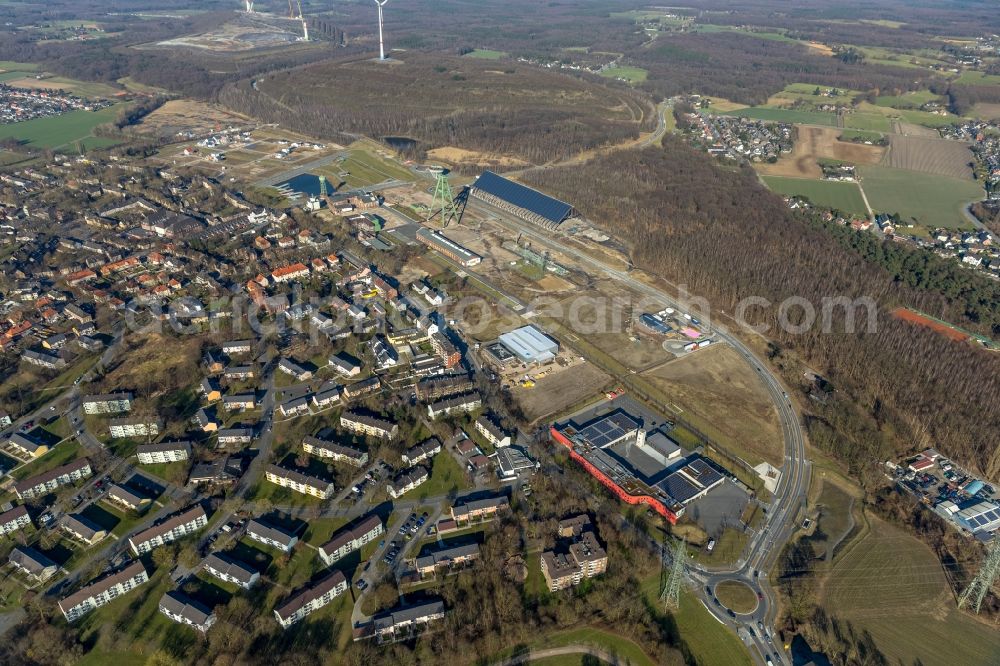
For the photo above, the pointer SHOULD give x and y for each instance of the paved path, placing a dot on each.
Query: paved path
(535, 655)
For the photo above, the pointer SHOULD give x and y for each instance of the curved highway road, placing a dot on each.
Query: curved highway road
(766, 544)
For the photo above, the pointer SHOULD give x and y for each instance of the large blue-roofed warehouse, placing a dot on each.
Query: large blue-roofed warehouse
(528, 204)
(530, 345)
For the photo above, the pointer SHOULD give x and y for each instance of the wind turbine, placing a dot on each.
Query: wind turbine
(381, 46)
(305, 26)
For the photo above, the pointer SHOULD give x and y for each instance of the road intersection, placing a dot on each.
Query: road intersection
(766, 545)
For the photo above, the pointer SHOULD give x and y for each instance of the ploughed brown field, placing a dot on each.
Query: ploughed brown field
(816, 143)
(938, 156)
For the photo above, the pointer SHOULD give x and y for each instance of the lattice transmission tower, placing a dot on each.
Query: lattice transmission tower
(672, 572)
(976, 591)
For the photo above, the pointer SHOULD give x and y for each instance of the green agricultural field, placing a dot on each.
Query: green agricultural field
(843, 196)
(892, 586)
(786, 115)
(974, 79)
(771, 35)
(910, 100)
(63, 130)
(630, 74)
(487, 54)
(872, 122)
(928, 119)
(877, 55)
(8, 65)
(929, 199)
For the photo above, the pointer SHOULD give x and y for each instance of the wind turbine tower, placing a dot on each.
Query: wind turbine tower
(305, 26)
(381, 44)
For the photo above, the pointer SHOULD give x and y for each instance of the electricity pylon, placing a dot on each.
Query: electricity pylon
(443, 201)
(981, 584)
(672, 573)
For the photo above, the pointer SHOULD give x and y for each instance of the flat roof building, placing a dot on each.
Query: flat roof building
(530, 345)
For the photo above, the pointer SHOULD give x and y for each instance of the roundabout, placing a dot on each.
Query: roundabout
(737, 596)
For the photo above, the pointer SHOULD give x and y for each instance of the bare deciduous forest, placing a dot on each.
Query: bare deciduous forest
(901, 388)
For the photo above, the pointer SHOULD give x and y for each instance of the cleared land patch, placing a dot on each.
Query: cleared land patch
(844, 196)
(927, 199)
(721, 395)
(939, 156)
(185, 114)
(486, 54)
(557, 392)
(891, 584)
(815, 143)
(630, 74)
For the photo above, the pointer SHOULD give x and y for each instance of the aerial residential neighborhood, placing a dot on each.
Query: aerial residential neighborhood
(574, 333)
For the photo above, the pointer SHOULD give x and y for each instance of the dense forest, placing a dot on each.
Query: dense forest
(722, 234)
(973, 296)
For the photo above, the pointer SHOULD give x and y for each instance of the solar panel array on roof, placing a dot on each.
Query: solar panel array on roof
(702, 472)
(523, 197)
(679, 488)
(607, 430)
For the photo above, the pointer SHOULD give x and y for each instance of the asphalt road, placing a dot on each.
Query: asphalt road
(780, 520)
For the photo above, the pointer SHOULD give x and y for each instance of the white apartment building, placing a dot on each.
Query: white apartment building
(299, 482)
(164, 452)
(103, 591)
(350, 539)
(311, 599)
(322, 448)
(111, 403)
(173, 528)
